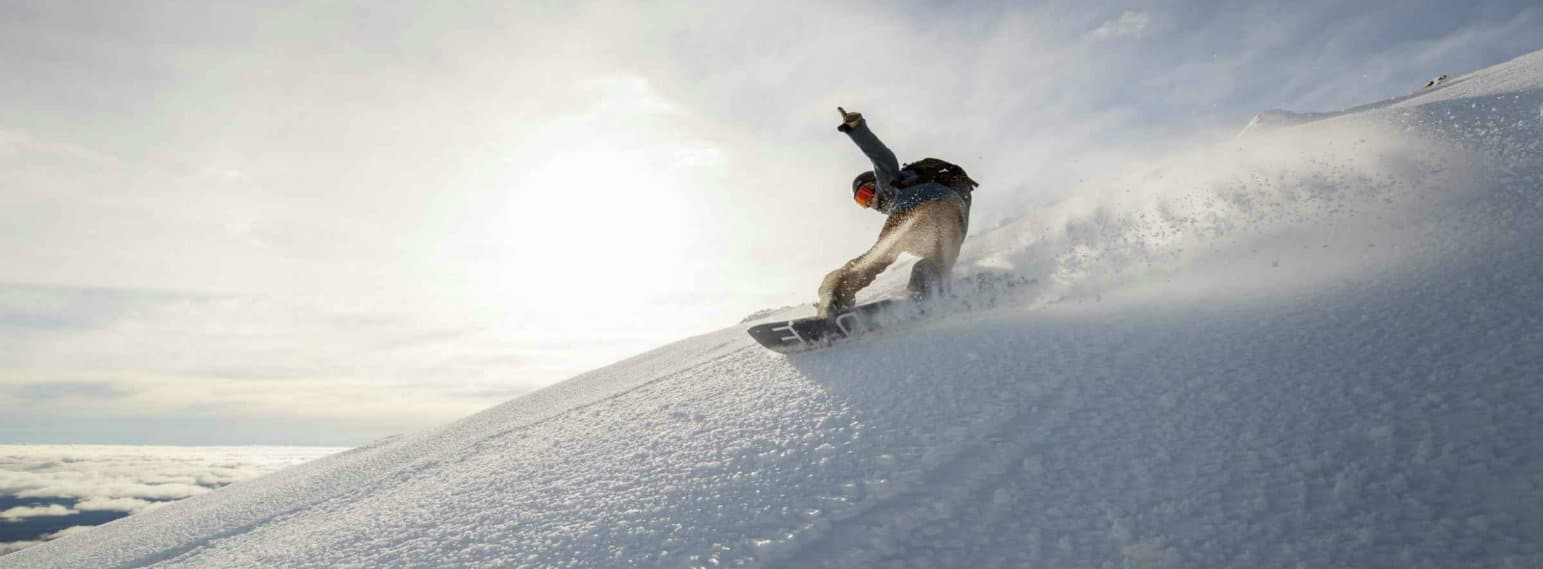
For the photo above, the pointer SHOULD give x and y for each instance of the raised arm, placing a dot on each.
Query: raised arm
(885, 167)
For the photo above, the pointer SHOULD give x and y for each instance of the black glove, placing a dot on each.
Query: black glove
(849, 121)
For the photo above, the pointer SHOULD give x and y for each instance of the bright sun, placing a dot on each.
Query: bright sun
(598, 221)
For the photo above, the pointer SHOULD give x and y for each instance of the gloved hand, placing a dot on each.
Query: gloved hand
(849, 121)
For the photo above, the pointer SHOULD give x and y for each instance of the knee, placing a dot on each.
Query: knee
(833, 279)
(837, 274)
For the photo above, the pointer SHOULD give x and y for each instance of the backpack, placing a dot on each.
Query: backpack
(942, 172)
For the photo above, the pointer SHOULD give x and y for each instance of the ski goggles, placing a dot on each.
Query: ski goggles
(864, 195)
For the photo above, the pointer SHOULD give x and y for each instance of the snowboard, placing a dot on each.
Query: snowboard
(790, 336)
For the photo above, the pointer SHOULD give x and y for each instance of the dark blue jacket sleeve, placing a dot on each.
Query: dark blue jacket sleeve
(885, 167)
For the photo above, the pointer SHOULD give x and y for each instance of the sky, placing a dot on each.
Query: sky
(268, 223)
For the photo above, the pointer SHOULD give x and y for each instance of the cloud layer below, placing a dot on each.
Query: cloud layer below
(54, 483)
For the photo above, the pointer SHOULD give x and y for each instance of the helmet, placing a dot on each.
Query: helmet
(863, 190)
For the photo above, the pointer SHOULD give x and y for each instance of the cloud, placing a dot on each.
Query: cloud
(226, 174)
(87, 356)
(130, 478)
(1131, 24)
(11, 142)
(23, 512)
(130, 505)
(14, 143)
(65, 389)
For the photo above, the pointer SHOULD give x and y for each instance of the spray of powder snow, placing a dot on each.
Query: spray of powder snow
(1251, 209)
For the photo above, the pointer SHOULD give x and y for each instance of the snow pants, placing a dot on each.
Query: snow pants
(933, 231)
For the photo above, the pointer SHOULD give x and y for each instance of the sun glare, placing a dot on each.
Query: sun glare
(598, 221)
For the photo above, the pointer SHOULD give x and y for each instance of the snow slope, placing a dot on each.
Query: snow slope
(1319, 345)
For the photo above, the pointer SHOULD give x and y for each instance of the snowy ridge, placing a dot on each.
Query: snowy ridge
(1318, 345)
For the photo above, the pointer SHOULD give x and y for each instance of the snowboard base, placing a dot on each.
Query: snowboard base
(790, 336)
(982, 291)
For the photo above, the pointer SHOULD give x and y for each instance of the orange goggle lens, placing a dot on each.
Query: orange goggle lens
(864, 195)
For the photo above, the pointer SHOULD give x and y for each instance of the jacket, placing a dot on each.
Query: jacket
(896, 189)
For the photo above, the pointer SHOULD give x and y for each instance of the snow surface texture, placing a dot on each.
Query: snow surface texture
(1319, 345)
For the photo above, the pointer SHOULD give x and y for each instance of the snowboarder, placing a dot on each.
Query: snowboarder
(928, 204)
